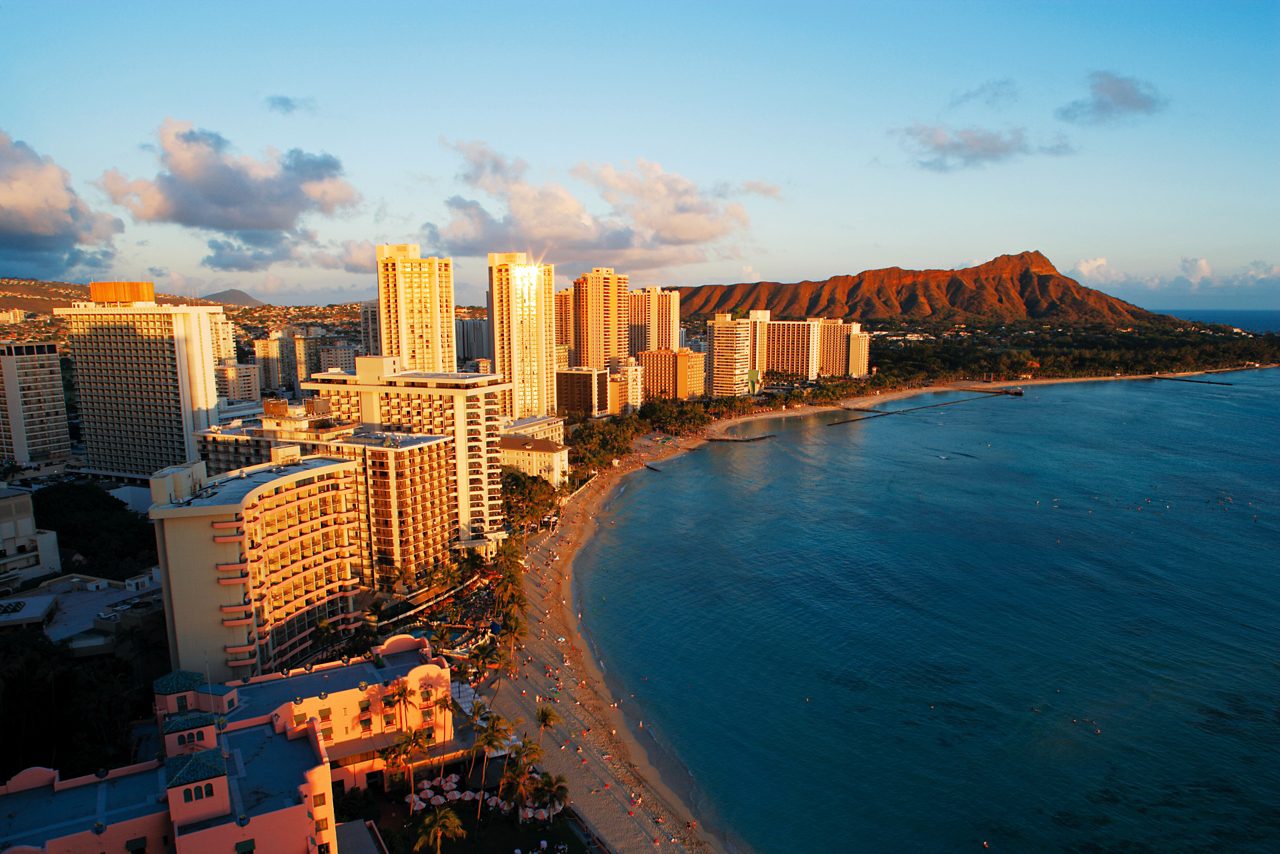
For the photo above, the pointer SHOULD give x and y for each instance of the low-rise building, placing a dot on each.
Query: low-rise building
(583, 391)
(26, 552)
(537, 457)
(252, 765)
(674, 374)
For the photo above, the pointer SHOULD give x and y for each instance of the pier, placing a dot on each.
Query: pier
(880, 413)
(1188, 380)
(744, 439)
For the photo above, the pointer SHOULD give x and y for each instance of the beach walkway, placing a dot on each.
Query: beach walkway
(612, 787)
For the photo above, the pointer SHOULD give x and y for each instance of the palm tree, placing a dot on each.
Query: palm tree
(518, 784)
(439, 635)
(494, 736)
(553, 791)
(399, 695)
(546, 718)
(479, 711)
(437, 826)
(527, 752)
(414, 741)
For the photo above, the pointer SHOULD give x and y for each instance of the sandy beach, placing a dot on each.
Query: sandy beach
(613, 782)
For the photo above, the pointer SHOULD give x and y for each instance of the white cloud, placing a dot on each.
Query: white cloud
(1097, 270)
(1196, 269)
(254, 206)
(46, 229)
(655, 218)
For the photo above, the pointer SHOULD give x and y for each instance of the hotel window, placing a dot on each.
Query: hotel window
(322, 825)
(319, 800)
(245, 847)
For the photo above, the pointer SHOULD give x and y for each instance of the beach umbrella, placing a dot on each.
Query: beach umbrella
(409, 797)
(437, 801)
(468, 796)
(427, 793)
(540, 815)
(453, 778)
(453, 796)
(423, 786)
(439, 781)
(493, 801)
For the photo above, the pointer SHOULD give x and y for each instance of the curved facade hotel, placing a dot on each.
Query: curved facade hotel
(253, 562)
(252, 765)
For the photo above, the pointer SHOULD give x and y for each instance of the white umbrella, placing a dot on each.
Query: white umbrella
(493, 801)
(454, 777)
(453, 796)
(423, 786)
(449, 785)
(468, 796)
(409, 797)
(439, 781)
(437, 801)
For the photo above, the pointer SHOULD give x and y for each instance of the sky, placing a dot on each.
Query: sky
(269, 146)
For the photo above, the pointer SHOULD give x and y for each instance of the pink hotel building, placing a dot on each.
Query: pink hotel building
(253, 765)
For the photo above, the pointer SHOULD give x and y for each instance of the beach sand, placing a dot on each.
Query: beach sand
(613, 782)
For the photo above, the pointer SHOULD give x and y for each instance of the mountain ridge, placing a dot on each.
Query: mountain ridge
(234, 296)
(1022, 286)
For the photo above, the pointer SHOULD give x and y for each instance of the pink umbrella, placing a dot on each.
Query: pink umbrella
(493, 801)
(437, 801)
(439, 781)
(453, 796)
(468, 796)
(540, 815)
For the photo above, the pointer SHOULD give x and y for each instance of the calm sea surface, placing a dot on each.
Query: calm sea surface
(1048, 622)
(1251, 321)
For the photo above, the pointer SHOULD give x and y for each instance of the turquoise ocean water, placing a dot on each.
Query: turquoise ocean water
(1049, 622)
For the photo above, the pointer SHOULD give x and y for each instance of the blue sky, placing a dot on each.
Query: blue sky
(268, 146)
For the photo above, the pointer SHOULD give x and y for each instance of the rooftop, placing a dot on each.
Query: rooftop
(233, 489)
(516, 442)
(263, 698)
(188, 720)
(34, 816)
(188, 768)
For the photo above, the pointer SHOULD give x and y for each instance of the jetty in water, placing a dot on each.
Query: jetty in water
(741, 439)
(1189, 380)
(880, 413)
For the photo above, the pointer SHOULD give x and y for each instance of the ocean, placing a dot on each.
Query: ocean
(1048, 622)
(1257, 320)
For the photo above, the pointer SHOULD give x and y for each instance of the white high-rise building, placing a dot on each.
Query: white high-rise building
(729, 344)
(415, 309)
(370, 335)
(523, 321)
(33, 417)
(145, 375)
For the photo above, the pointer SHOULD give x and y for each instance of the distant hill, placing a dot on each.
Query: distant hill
(233, 297)
(1025, 286)
(43, 297)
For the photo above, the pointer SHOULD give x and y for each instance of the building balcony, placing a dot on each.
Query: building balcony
(232, 567)
(242, 578)
(223, 526)
(229, 538)
(236, 609)
(242, 662)
(233, 622)
(239, 648)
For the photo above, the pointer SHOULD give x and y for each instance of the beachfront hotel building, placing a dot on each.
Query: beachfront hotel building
(583, 391)
(626, 386)
(253, 562)
(415, 309)
(674, 374)
(252, 765)
(403, 489)
(600, 318)
(523, 321)
(338, 357)
(33, 417)
(463, 407)
(145, 377)
(654, 320)
(536, 457)
(729, 343)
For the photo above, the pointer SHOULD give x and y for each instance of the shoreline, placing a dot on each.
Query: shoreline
(613, 754)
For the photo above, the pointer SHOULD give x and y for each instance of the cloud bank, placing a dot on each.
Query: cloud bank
(254, 207)
(655, 218)
(1112, 98)
(46, 229)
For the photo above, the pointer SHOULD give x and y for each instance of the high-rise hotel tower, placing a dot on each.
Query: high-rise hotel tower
(523, 319)
(415, 309)
(600, 318)
(145, 374)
